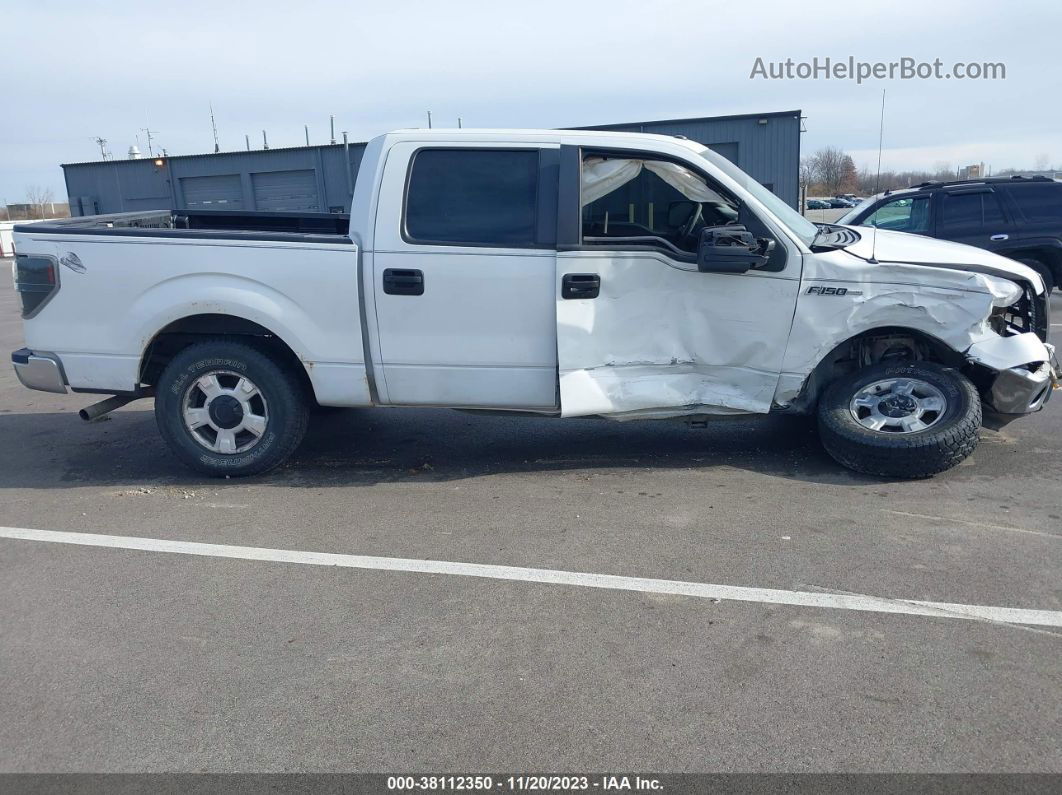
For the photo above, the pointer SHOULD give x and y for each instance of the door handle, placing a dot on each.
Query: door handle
(400, 281)
(999, 237)
(580, 285)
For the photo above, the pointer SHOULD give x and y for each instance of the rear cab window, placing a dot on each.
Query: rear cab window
(475, 197)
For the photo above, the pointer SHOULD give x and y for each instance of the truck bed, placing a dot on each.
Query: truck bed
(311, 227)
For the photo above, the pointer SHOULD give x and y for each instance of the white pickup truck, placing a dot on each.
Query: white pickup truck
(566, 274)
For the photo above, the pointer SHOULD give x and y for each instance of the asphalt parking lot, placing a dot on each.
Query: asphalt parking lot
(113, 659)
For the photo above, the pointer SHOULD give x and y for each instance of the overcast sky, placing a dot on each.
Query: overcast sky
(73, 71)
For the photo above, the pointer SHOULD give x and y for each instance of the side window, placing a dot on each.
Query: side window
(907, 214)
(648, 202)
(484, 197)
(1039, 203)
(969, 211)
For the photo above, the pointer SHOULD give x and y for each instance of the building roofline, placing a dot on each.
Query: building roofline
(149, 158)
(733, 117)
(599, 127)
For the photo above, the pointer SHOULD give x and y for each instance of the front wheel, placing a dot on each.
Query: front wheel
(907, 420)
(227, 408)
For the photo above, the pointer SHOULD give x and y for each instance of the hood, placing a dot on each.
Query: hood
(908, 249)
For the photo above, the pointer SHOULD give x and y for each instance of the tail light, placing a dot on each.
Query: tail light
(36, 280)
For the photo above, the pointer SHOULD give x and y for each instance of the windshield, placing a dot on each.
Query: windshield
(850, 216)
(798, 224)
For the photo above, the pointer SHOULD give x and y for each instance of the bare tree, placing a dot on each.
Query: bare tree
(942, 171)
(37, 197)
(829, 168)
(808, 173)
(1043, 162)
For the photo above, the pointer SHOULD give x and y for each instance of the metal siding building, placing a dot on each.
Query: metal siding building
(318, 179)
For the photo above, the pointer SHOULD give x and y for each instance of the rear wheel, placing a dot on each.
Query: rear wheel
(226, 408)
(908, 420)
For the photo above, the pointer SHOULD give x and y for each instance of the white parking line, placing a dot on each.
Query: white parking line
(842, 601)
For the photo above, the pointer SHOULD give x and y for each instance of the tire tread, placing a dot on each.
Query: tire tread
(912, 456)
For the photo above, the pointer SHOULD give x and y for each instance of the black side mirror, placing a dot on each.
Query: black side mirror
(731, 249)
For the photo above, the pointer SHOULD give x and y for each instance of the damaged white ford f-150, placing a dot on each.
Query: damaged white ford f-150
(558, 273)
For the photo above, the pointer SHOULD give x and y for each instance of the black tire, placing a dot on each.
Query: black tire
(285, 407)
(951, 437)
(1044, 271)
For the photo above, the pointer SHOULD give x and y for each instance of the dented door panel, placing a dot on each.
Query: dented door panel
(663, 339)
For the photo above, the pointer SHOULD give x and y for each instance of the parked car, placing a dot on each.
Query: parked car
(817, 204)
(556, 273)
(1016, 217)
(838, 202)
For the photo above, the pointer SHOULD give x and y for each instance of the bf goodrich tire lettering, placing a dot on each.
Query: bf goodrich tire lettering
(188, 414)
(891, 451)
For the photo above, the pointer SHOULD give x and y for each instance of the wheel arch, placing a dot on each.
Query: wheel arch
(187, 330)
(1047, 252)
(871, 346)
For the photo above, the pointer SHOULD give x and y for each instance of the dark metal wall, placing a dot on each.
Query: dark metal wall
(311, 178)
(317, 178)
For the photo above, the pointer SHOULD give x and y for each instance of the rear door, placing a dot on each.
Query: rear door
(974, 216)
(1038, 211)
(640, 330)
(463, 268)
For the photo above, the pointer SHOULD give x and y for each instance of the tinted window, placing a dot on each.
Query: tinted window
(969, 211)
(908, 214)
(1039, 202)
(993, 212)
(479, 197)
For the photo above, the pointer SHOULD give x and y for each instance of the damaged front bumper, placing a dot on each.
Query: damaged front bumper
(1017, 376)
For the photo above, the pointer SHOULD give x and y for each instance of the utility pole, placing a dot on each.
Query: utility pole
(247, 138)
(214, 127)
(149, 133)
(429, 119)
(346, 157)
(265, 141)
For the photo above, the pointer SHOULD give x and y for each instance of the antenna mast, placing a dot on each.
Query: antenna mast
(217, 146)
(149, 133)
(877, 179)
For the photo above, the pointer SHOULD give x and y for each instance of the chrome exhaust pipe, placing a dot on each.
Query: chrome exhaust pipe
(97, 410)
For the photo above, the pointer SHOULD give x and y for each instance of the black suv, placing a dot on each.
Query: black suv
(1016, 217)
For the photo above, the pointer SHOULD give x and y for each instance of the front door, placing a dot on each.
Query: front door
(639, 329)
(465, 245)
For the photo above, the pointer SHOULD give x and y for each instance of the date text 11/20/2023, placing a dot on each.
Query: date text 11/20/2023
(530, 783)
